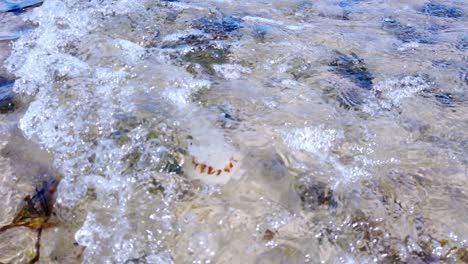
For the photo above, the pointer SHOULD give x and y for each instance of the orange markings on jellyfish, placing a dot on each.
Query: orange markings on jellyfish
(202, 168)
(210, 170)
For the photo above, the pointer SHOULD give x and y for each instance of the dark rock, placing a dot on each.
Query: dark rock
(462, 44)
(316, 195)
(440, 10)
(352, 68)
(231, 23)
(7, 100)
(448, 99)
(404, 33)
(18, 7)
(7, 105)
(218, 27)
(445, 99)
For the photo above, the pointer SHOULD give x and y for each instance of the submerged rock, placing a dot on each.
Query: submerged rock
(462, 44)
(348, 3)
(16, 6)
(316, 195)
(440, 10)
(189, 40)
(350, 98)
(206, 56)
(353, 68)
(347, 7)
(403, 32)
(259, 32)
(301, 68)
(7, 100)
(218, 27)
(445, 99)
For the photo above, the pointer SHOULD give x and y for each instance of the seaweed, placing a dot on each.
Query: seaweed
(440, 10)
(36, 212)
(353, 68)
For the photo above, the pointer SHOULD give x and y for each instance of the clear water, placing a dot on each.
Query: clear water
(239, 131)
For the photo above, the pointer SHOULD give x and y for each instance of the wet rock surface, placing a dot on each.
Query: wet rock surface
(405, 33)
(219, 27)
(18, 6)
(8, 103)
(316, 195)
(343, 136)
(441, 10)
(353, 68)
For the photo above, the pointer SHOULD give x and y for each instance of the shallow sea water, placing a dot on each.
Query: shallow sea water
(237, 131)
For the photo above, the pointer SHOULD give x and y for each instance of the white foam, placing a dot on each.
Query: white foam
(132, 51)
(231, 71)
(318, 141)
(394, 91)
(312, 139)
(180, 95)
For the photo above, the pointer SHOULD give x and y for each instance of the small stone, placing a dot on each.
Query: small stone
(268, 235)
